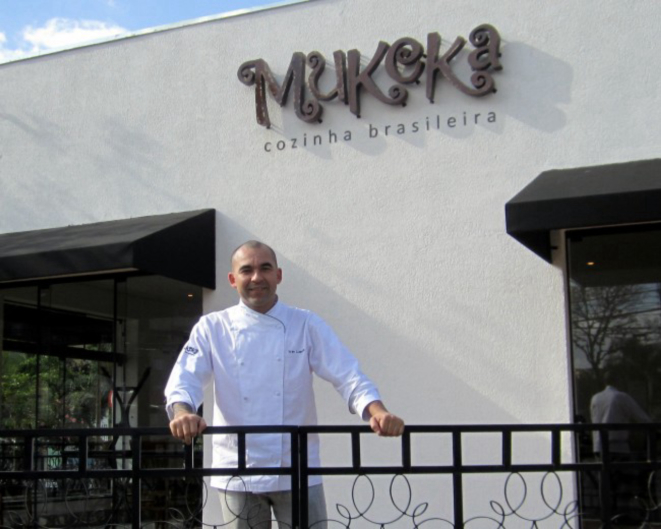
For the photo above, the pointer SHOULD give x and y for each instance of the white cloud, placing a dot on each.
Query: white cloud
(63, 32)
(55, 34)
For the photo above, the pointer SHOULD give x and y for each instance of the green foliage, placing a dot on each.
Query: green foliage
(18, 380)
(66, 399)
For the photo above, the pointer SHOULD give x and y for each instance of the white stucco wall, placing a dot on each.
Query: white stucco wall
(398, 241)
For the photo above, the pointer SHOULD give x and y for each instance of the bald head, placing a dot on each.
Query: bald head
(253, 245)
(255, 275)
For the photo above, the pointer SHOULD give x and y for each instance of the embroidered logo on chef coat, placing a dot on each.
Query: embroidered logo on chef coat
(296, 352)
(191, 350)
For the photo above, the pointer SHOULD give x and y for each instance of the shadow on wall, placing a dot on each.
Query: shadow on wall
(126, 163)
(534, 86)
(412, 381)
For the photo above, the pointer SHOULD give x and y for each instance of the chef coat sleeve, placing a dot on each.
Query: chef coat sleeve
(191, 372)
(332, 361)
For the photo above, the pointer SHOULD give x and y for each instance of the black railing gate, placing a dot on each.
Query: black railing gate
(135, 477)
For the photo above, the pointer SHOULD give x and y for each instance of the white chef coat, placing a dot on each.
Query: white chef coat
(262, 366)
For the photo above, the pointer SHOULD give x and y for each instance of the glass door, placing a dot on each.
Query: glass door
(615, 316)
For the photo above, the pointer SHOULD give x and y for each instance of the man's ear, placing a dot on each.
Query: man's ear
(279, 276)
(231, 279)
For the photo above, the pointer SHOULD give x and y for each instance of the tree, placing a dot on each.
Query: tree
(603, 318)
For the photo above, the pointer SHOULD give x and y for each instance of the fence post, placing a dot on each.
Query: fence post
(605, 479)
(457, 480)
(29, 465)
(136, 463)
(299, 478)
(406, 451)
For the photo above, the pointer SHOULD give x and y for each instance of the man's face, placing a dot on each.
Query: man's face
(256, 277)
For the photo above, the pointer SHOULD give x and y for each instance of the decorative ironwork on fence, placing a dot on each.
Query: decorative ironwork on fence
(496, 476)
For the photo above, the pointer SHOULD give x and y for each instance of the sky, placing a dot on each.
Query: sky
(30, 27)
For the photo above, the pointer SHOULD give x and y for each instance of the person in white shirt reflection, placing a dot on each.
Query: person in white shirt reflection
(261, 355)
(615, 407)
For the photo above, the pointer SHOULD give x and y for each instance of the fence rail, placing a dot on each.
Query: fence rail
(140, 477)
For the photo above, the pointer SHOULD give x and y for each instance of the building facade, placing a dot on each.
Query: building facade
(436, 194)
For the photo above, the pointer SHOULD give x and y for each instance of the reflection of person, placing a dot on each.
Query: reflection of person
(617, 407)
(261, 355)
(614, 406)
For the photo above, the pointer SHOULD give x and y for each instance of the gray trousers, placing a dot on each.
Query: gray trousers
(248, 510)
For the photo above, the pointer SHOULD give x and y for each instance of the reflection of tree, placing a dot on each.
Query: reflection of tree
(615, 331)
(603, 318)
(18, 386)
(66, 399)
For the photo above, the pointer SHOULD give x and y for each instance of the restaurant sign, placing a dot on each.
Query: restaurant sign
(405, 62)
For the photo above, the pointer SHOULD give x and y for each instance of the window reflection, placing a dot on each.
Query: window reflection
(88, 354)
(615, 305)
(19, 342)
(91, 353)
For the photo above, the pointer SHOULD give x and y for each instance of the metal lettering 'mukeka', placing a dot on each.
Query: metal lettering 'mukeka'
(405, 62)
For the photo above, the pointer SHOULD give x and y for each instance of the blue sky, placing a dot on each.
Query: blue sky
(29, 27)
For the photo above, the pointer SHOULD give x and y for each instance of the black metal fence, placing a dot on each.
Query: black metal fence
(530, 476)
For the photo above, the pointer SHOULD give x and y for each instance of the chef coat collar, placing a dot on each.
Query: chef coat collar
(276, 312)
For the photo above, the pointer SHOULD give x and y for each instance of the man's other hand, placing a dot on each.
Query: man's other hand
(187, 425)
(383, 422)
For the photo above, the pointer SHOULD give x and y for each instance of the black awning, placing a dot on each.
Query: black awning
(178, 245)
(585, 197)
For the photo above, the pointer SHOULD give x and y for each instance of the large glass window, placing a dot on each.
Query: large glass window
(615, 306)
(91, 353)
(615, 296)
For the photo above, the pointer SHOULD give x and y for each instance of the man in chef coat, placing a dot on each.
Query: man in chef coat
(261, 355)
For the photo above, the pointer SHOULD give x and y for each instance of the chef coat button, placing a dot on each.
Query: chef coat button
(277, 394)
(279, 359)
(245, 398)
(241, 363)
